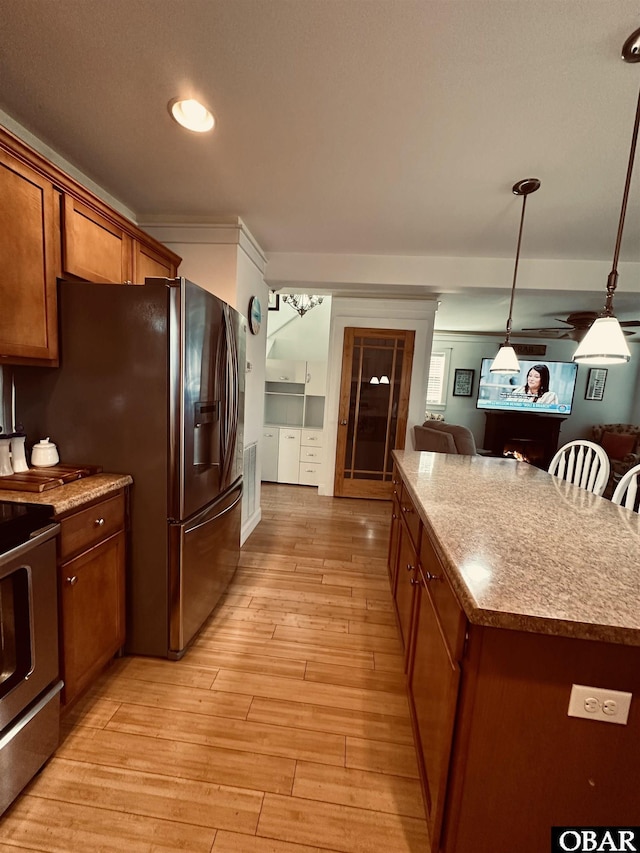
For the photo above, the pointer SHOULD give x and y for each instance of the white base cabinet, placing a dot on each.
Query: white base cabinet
(269, 453)
(288, 455)
(292, 455)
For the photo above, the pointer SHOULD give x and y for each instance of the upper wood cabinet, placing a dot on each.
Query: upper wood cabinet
(93, 247)
(51, 226)
(29, 248)
(96, 246)
(150, 263)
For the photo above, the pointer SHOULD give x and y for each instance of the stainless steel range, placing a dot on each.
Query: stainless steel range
(29, 674)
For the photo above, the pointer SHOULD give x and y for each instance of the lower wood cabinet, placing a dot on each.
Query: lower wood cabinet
(406, 579)
(500, 760)
(91, 571)
(434, 677)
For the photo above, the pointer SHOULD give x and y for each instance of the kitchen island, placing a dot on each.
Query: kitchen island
(511, 586)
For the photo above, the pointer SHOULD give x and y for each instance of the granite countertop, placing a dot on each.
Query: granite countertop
(527, 551)
(70, 495)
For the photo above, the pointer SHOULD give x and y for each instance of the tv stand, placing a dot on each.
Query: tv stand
(535, 437)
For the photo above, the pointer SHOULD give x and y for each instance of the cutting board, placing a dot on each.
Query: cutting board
(40, 479)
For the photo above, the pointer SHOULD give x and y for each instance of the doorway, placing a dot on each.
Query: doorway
(373, 409)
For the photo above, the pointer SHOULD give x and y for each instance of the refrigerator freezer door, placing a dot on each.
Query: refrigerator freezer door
(212, 384)
(203, 557)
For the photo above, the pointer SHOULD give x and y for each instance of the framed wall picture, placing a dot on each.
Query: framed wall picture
(274, 301)
(463, 382)
(595, 383)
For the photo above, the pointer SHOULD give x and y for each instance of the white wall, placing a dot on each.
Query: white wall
(618, 405)
(416, 315)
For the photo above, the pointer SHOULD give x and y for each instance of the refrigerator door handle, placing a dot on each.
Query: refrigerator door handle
(207, 520)
(229, 425)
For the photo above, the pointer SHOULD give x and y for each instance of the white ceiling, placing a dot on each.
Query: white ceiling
(351, 127)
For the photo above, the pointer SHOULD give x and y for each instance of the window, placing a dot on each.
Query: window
(438, 378)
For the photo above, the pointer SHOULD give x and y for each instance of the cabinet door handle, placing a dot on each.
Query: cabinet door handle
(413, 581)
(407, 509)
(72, 581)
(343, 423)
(410, 568)
(99, 522)
(431, 577)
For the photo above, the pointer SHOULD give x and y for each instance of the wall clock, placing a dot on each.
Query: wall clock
(255, 315)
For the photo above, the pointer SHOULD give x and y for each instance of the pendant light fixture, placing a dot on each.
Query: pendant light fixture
(605, 342)
(506, 361)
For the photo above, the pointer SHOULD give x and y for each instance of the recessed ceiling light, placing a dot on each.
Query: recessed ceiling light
(191, 114)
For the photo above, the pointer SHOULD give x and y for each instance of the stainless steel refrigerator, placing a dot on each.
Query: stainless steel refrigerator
(151, 383)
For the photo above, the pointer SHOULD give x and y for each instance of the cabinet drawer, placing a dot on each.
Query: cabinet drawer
(309, 474)
(311, 437)
(449, 613)
(310, 454)
(411, 517)
(86, 528)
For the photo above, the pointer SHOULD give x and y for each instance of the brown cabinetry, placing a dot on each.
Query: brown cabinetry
(432, 628)
(151, 263)
(98, 246)
(29, 248)
(93, 247)
(91, 570)
(406, 530)
(51, 226)
(434, 677)
(500, 759)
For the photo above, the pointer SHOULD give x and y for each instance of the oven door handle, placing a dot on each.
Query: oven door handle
(37, 538)
(6, 739)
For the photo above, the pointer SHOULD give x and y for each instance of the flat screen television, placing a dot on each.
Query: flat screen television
(497, 392)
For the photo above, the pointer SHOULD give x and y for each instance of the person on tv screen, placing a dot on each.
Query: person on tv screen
(536, 389)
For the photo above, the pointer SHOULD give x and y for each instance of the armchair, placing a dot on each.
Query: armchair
(621, 443)
(444, 438)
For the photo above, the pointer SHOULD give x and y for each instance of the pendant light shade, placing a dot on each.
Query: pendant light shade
(506, 361)
(605, 343)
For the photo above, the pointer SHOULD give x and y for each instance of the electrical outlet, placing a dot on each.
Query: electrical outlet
(594, 703)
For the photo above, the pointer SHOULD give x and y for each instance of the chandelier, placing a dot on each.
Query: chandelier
(302, 302)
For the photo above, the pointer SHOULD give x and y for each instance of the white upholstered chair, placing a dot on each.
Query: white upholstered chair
(626, 493)
(583, 463)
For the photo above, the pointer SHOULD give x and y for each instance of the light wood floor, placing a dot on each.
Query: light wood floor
(284, 729)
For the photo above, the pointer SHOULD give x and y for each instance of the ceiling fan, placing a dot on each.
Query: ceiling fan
(577, 325)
